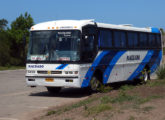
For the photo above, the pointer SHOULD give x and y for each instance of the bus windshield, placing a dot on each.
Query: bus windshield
(54, 46)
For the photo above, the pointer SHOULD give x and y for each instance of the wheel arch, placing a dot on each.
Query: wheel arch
(99, 74)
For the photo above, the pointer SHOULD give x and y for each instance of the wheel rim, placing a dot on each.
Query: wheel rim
(145, 77)
(94, 84)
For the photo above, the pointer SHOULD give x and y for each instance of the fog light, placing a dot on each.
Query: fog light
(66, 72)
(70, 72)
(76, 72)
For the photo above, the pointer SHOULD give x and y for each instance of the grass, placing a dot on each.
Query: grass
(147, 108)
(125, 99)
(11, 68)
(98, 109)
(161, 72)
(127, 87)
(131, 118)
(73, 106)
(156, 83)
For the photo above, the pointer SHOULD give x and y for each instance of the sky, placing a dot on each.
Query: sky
(139, 13)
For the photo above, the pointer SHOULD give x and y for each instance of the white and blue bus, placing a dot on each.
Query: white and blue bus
(84, 53)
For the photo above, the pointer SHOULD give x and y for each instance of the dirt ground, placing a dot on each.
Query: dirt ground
(150, 106)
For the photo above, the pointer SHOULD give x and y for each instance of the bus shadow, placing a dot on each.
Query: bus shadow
(80, 92)
(118, 85)
(65, 93)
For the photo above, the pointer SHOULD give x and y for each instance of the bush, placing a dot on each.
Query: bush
(161, 72)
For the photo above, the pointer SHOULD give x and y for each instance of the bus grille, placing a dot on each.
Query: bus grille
(49, 72)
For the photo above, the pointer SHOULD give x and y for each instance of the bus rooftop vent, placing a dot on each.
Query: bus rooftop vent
(89, 20)
(127, 25)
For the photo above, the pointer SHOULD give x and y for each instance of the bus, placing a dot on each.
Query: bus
(85, 53)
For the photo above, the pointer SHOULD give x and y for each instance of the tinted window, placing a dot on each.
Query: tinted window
(158, 39)
(132, 39)
(143, 40)
(105, 39)
(119, 39)
(152, 40)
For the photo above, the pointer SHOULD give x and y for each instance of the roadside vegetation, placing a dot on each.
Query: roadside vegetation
(11, 67)
(106, 105)
(13, 41)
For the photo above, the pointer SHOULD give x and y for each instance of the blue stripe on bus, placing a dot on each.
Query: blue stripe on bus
(62, 66)
(89, 73)
(150, 63)
(157, 62)
(142, 65)
(111, 65)
(155, 30)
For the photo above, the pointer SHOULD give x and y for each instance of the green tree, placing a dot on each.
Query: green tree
(19, 33)
(4, 43)
(3, 24)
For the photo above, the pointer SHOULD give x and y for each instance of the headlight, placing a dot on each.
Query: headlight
(71, 72)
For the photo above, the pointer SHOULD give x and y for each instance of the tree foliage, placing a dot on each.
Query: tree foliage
(3, 24)
(13, 39)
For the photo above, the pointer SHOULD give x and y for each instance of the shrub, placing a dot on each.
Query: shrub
(161, 72)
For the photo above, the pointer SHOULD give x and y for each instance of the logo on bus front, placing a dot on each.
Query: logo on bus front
(35, 66)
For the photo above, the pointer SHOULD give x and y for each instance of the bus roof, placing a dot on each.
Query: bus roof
(78, 24)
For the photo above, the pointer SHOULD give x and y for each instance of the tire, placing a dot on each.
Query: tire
(53, 90)
(146, 76)
(95, 84)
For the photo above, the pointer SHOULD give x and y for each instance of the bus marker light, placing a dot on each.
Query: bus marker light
(49, 80)
(56, 27)
(92, 69)
(48, 27)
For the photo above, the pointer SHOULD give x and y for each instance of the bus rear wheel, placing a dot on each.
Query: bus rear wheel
(95, 84)
(146, 76)
(53, 90)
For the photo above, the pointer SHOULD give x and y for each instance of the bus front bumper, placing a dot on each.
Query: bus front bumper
(53, 81)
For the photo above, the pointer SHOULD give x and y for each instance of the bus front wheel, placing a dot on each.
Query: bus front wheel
(53, 90)
(95, 84)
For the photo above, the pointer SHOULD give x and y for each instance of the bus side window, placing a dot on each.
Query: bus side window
(88, 47)
(89, 34)
(132, 39)
(105, 39)
(119, 39)
(143, 40)
(152, 40)
(158, 39)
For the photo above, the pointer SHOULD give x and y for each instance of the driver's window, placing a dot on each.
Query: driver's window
(88, 48)
(89, 43)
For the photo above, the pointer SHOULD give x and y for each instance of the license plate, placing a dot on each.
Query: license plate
(49, 79)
